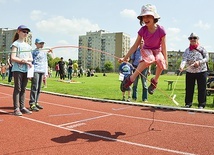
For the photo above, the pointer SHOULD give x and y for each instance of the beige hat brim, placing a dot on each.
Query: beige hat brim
(155, 15)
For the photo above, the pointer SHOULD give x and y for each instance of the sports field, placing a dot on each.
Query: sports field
(80, 125)
(108, 87)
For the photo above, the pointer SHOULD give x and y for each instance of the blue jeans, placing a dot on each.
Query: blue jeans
(69, 73)
(144, 85)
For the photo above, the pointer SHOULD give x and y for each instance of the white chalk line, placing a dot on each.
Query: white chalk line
(85, 120)
(142, 145)
(127, 116)
(60, 115)
(118, 109)
(133, 117)
(107, 138)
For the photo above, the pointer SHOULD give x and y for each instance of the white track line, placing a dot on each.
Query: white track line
(133, 117)
(117, 109)
(107, 138)
(85, 120)
(59, 115)
(141, 118)
(5, 94)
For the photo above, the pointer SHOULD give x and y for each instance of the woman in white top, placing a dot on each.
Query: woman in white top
(195, 58)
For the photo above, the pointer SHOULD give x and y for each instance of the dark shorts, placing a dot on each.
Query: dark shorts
(128, 89)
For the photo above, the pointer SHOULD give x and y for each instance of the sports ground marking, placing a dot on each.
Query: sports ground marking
(107, 138)
(59, 115)
(132, 117)
(85, 120)
(117, 109)
(142, 145)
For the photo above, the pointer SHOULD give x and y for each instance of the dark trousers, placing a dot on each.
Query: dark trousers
(10, 74)
(20, 83)
(36, 83)
(201, 79)
(62, 74)
(143, 77)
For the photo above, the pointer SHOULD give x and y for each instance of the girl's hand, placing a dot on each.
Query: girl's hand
(180, 69)
(196, 64)
(29, 64)
(50, 51)
(120, 60)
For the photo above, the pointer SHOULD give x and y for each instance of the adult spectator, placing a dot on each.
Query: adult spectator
(61, 69)
(195, 58)
(70, 68)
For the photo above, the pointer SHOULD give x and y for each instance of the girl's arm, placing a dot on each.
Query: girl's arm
(14, 58)
(163, 49)
(30, 58)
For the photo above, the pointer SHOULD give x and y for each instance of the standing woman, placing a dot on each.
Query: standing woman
(21, 59)
(195, 58)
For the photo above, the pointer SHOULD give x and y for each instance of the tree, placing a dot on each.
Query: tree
(108, 67)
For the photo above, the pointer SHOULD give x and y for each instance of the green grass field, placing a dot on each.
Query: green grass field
(108, 87)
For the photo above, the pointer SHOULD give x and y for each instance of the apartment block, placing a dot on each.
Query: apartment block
(100, 47)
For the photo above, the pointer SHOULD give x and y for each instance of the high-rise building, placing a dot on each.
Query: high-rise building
(6, 39)
(97, 48)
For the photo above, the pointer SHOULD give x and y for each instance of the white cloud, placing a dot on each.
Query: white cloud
(128, 13)
(202, 25)
(63, 42)
(173, 34)
(173, 38)
(67, 29)
(62, 25)
(173, 31)
(37, 15)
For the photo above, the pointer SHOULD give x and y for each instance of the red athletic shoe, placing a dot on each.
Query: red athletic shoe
(152, 86)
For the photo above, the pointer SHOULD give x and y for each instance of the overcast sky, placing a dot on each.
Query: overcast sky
(61, 22)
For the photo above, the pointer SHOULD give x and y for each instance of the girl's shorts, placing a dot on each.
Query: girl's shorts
(153, 56)
(121, 88)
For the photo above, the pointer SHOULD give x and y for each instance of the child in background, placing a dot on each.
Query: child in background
(40, 63)
(3, 71)
(126, 69)
(20, 60)
(154, 47)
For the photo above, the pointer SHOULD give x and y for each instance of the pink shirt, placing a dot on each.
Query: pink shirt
(152, 40)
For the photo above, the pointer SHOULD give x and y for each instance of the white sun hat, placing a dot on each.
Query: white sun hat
(148, 10)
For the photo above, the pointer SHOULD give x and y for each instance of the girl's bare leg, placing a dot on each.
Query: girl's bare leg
(139, 69)
(157, 74)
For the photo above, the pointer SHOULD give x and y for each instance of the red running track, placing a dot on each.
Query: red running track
(85, 127)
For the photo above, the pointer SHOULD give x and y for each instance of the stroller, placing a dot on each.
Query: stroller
(210, 83)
